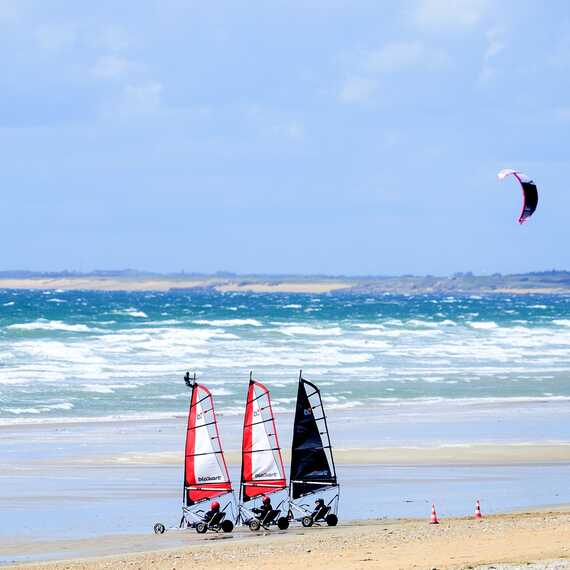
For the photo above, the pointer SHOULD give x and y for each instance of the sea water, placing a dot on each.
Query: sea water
(89, 379)
(71, 355)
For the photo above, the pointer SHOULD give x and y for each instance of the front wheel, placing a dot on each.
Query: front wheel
(282, 523)
(201, 527)
(332, 520)
(227, 526)
(159, 528)
(254, 525)
(307, 521)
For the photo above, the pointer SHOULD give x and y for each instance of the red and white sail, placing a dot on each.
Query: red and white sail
(205, 471)
(262, 470)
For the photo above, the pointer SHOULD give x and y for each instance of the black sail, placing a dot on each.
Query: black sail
(312, 465)
(530, 193)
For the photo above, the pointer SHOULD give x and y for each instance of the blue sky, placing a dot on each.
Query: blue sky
(313, 137)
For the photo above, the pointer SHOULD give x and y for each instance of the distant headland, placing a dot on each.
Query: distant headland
(543, 282)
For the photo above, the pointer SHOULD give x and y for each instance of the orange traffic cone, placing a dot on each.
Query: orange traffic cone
(433, 519)
(478, 514)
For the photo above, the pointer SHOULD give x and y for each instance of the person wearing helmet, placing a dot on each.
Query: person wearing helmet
(264, 509)
(320, 509)
(214, 510)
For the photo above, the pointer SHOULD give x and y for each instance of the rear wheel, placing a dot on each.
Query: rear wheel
(307, 521)
(227, 526)
(332, 520)
(159, 528)
(283, 523)
(254, 525)
(201, 527)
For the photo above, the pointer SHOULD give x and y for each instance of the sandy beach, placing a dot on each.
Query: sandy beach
(166, 284)
(514, 539)
(314, 285)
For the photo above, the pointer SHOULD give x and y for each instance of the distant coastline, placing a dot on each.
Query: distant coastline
(547, 282)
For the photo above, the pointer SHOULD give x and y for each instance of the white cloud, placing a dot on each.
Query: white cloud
(560, 56)
(111, 67)
(564, 114)
(368, 67)
(358, 90)
(112, 39)
(448, 15)
(495, 43)
(9, 10)
(403, 55)
(142, 99)
(56, 37)
(293, 130)
(487, 74)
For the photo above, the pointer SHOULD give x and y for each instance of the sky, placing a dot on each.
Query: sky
(323, 136)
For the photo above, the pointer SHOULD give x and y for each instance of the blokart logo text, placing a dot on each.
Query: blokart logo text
(265, 474)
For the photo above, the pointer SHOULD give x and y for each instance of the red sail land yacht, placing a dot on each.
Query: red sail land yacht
(262, 471)
(208, 499)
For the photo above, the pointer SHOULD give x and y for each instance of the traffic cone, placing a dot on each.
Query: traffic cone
(478, 514)
(433, 519)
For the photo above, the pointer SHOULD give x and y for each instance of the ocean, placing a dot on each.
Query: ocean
(71, 355)
(93, 401)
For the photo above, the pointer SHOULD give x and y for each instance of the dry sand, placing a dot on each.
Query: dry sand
(511, 540)
(252, 285)
(165, 284)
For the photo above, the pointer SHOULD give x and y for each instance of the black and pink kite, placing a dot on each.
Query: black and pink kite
(529, 190)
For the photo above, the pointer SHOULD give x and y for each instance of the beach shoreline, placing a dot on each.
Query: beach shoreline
(301, 284)
(515, 538)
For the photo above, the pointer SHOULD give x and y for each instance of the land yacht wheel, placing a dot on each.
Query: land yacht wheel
(254, 525)
(332, 520)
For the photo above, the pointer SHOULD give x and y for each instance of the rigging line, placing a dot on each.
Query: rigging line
(212, 423)
(258, 423)
(208, 395)
(261, 450)
(205, 453)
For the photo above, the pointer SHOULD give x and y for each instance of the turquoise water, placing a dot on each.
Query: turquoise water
(72, 355)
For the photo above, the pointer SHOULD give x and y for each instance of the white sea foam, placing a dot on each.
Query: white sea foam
(292, 306)
(483, 325)
(98, 388)
(42, 324)
(562, 322)
(9, 304)
(221, 392)
(56, 300)
(38, 409)
(131, 312)
(228, 322)
(107, 388)
(293, 330)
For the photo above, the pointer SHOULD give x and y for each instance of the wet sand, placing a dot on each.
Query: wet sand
(512, 539)
(468, 454)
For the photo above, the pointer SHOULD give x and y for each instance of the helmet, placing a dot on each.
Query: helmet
(215, 506)
(320, 502)
(266, 500)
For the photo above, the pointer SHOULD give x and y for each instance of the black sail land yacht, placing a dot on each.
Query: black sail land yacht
(313, 485)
